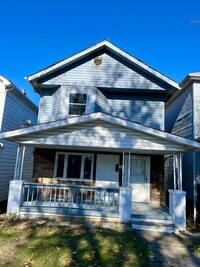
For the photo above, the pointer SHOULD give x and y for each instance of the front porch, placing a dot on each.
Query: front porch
(94, 162)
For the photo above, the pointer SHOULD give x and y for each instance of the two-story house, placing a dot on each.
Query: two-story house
(101, 126)
(16, 111)
(183, 119)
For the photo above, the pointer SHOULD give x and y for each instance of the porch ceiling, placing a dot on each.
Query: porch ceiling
(100, 132)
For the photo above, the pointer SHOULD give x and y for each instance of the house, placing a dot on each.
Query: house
(182, 118)
(15, 109)
(100, 141)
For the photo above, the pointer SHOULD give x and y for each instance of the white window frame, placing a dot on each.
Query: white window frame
(66, 154)
(78, 104)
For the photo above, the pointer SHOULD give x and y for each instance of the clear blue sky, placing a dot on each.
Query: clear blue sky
(38, 33)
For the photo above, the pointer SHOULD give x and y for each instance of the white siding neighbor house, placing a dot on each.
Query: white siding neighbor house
(100, 142)
(183, 119)
(15, 109)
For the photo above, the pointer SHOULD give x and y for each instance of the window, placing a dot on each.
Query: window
(77, 104)
(74, 166)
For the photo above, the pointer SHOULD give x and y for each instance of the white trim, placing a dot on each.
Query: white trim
(22, 162)
(94, 48)
(103, 117)
(77, 104)
(66, 154)
(123, 172)
(174, 170)
(2, 103)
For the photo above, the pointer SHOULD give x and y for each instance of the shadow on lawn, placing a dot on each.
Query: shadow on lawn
(77, 245)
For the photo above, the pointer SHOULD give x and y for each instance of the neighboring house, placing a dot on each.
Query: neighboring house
(101, 126)
(183, 119)
(15, 110)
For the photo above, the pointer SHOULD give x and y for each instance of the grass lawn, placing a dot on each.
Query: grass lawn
(27, 243)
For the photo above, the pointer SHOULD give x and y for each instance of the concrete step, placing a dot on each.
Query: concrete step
(153, 220)
(159, 224)
(152, 226)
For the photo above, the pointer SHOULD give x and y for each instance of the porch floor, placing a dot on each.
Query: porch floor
(150, 211)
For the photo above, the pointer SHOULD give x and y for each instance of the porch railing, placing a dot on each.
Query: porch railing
(70, 196)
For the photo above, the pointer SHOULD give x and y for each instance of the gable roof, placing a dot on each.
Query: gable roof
(39, 129)
(95, 48)
(8, 85)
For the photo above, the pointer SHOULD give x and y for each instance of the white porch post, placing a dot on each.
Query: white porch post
(19, 162)
(126, 163)
(123, 169)
(129, 167)
(15, 196)
(125, 204)
(177, 197)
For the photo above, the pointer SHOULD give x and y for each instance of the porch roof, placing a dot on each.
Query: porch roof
(100, 131)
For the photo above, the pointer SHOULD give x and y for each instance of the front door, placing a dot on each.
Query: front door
(140, 178)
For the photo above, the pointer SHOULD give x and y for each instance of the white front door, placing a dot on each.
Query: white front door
(106, 174)
(140, 178)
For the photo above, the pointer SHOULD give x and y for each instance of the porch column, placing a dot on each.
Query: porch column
(177, 168)
(125, 204)
(14, 197)
(126, 162)
(19, 162)
(177, 197)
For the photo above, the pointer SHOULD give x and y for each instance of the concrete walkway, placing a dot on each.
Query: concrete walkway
(171, 250)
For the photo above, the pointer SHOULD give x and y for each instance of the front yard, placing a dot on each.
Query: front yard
(31, 243)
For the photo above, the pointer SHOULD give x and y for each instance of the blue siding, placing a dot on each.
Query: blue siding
(196, 110)
(149, 113)
(84, 77)
(188, 175)
(17, 109)
(49, 105)
(179, 115)
(101, 102)
(112, 73)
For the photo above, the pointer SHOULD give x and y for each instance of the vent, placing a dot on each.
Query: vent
(98, 61)
(25, 123)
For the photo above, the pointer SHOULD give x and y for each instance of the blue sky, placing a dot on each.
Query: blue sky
(164, 34)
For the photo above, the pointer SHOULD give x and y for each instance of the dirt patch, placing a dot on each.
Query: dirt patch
(8, 251)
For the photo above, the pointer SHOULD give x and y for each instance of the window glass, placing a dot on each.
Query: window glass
(77, 104)
(74, 166)
(77, 98)
(87, 167)
(60, 165)
(77, 109)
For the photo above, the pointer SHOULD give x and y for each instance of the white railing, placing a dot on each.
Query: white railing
(70, 196)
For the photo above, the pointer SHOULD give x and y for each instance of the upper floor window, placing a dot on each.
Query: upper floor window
(77, 104)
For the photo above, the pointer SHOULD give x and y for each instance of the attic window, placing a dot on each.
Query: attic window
(77, 104)
(98, 61)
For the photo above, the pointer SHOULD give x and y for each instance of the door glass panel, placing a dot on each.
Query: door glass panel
(87, 167)
(137, 171)
(74, 166)
(60, 165)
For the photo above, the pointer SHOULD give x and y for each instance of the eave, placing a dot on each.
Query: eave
(189, 145)
(32, 79)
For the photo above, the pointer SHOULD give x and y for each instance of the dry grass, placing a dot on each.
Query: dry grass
(28, 243)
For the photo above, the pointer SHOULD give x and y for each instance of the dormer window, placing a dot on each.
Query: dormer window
(77, 104)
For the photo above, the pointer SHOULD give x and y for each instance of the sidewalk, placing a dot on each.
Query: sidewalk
(171, 250)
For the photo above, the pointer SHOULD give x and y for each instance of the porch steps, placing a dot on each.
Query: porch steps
(151, 224)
